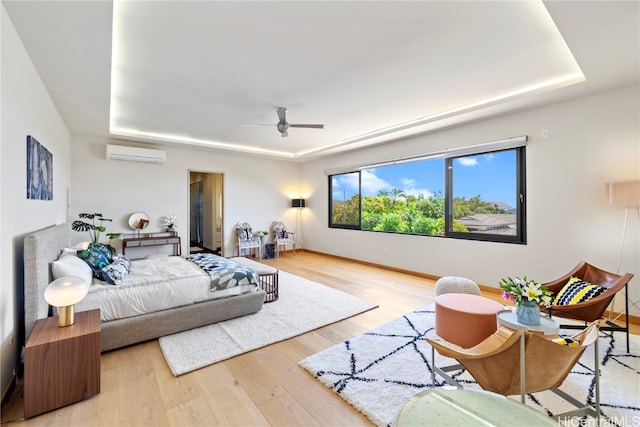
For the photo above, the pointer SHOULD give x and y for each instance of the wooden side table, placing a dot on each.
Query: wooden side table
(61, 365)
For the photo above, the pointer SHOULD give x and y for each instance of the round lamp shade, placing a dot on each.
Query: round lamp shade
(66, 291)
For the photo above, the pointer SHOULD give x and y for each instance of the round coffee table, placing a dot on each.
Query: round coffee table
(460, 407)
(547, 325)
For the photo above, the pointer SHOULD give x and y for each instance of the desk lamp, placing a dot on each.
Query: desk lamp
(63, 293)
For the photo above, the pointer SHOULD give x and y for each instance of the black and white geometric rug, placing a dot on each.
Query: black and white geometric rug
(378, 371)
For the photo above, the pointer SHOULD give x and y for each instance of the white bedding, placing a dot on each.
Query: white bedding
(154, 284)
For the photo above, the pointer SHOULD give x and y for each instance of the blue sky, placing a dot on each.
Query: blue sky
(491, 175)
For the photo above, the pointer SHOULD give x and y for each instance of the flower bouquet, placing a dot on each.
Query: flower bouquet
(261, 235)
(523, 289)
(170, 221)
(527, 295)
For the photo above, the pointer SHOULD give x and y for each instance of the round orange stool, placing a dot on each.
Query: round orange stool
(466, 320)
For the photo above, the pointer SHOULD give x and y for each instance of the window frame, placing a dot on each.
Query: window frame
(357, 226)
(521, 233)
(521, 212)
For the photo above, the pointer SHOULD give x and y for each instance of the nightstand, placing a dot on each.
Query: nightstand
(61, 365)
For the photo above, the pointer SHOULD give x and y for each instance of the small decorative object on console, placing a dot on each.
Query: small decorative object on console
(170, 221)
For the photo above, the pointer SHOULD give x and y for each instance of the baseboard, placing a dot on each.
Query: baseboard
(632, 319)
(373, 264)
(8, 392)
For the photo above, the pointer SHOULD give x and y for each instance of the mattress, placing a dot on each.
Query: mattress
(155, 284)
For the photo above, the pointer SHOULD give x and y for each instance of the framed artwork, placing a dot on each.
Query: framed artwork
(39, 171)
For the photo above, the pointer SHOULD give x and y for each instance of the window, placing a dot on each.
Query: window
(476, 196)
(344, 203)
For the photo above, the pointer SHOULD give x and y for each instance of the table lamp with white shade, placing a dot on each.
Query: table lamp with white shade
(63, 293)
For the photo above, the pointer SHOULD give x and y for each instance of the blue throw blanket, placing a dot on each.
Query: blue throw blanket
(224, 274)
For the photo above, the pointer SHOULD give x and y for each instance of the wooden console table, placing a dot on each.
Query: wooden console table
(61, 365)
(152, 239)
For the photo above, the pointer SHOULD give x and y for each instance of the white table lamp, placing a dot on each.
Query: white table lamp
(63, 293)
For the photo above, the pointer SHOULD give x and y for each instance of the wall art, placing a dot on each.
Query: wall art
(39, 171)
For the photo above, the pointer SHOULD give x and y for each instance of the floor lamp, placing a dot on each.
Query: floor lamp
(299, 231)
(624, 194)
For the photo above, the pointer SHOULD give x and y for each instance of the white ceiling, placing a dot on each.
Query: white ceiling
(371, 72)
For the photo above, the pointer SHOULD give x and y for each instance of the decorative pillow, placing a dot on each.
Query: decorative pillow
(244, 233)
(97, 256)
(68, 265)
(576, 291)
(282, 234)
(569, 342)
(117, 271)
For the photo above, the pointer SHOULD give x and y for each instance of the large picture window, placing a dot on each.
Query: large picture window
(477, 196)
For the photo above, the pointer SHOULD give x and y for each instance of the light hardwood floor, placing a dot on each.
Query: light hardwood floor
(262, 387)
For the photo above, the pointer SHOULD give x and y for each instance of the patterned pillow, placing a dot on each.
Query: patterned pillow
(117, 271)
(569, 342)
(282, 234)
(97, 256)
(244, 233)
(576, 291)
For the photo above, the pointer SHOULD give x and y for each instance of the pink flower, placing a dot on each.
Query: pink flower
(507, 296)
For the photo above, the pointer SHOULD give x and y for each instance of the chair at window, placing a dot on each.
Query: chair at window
(591, 309)
(518, 362)
(282, 237)
(245, 240)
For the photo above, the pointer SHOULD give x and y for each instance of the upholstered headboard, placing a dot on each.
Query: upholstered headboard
(40, 248)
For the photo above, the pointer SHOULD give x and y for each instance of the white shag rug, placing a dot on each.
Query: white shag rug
(379, 371)
(302, 306)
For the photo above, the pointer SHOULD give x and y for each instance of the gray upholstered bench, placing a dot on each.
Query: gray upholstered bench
(268, 276)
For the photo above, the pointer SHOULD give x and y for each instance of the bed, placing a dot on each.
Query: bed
(43, 247)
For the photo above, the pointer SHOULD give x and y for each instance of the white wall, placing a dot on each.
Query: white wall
(591, 141)
(26, 109)
(256, 190)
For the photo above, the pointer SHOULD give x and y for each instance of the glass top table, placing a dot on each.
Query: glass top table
(459, 407)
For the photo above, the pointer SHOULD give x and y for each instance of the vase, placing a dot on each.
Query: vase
(528, 313)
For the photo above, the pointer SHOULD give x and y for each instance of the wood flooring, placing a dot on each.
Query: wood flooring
(259, 388)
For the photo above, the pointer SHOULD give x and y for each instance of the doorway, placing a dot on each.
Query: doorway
(205, 212)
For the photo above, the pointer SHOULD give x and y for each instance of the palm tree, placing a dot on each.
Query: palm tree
(395, 194)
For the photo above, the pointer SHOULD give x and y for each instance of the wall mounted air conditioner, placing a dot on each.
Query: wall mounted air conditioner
(135, 154)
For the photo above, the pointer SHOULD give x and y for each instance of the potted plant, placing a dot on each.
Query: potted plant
(94, 227)
(527, 295)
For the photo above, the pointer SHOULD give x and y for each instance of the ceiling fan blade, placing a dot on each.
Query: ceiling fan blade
(282, 114)
(259, 124)
(306, 126)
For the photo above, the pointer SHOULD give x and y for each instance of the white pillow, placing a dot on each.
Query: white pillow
(71, 266)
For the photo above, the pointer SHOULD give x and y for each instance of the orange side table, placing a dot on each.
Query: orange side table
(466, 320)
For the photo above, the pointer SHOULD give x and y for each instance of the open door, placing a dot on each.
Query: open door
(205, 212)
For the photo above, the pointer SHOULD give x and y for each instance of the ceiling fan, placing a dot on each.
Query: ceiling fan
(283, 126)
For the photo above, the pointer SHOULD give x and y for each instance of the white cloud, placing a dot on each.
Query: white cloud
(467, 161)
(409, 188)
(371, 184)
(408, 182)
